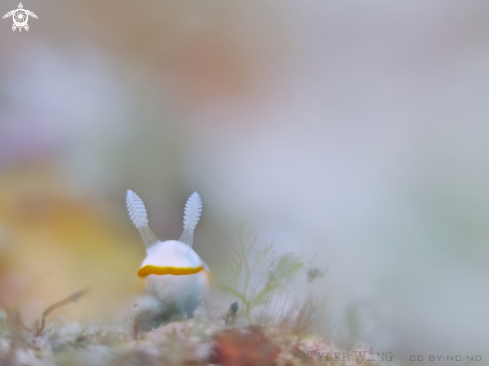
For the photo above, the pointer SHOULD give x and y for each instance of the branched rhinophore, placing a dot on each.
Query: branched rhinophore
(139, 217)
(280, 271)
(193, 210)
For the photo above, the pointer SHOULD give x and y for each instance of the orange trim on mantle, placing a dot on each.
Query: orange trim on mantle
(176, 271)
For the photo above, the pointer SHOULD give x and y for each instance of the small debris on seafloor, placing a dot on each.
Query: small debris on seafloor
(314, 273)
(231, 314)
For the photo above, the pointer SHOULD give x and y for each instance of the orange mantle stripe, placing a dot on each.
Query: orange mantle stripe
(176, 271)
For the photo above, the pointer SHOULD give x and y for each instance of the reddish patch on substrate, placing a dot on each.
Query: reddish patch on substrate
(243, 347)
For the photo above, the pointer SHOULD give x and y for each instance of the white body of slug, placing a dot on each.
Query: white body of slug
(174, 272)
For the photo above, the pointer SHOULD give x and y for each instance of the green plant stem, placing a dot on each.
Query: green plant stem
(260, 295)
(246, 267)
(235, 293)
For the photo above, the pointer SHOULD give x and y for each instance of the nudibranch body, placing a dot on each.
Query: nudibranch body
(174, 272)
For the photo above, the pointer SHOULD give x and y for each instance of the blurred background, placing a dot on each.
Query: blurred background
(356, 133)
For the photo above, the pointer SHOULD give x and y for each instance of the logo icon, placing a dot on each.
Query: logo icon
(20, 16)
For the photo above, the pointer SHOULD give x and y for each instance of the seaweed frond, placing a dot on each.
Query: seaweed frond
(243, 265)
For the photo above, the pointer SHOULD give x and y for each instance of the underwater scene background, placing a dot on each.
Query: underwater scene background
(353, 135)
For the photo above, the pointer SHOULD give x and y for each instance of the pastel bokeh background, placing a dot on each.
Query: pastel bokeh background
(355, 131)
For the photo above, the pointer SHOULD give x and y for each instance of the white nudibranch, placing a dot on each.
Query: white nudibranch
(174, 271)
